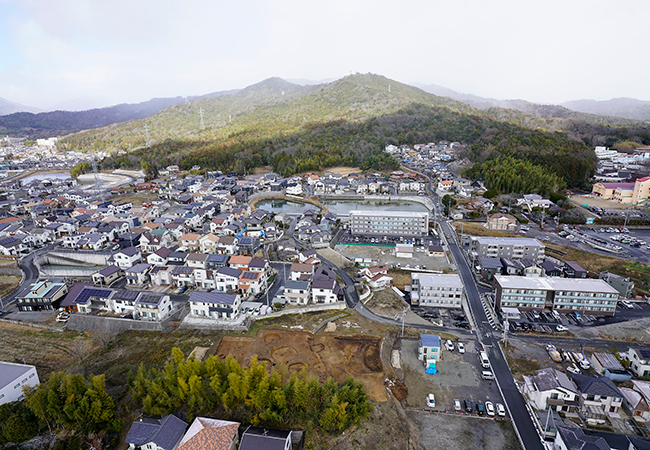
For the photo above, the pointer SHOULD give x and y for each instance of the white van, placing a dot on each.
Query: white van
(483, 358)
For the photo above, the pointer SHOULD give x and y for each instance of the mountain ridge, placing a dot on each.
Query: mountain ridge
(9, 107)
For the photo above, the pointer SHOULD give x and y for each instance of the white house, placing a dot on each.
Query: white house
(12, 379)
(324, 291)
(639, 360)
(214, 305)
(153, 307)
(551, 388)
(127, 258)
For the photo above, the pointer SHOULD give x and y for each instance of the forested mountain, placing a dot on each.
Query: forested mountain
(629, 108)
(349, 121)
(55, 123)
(9, 107)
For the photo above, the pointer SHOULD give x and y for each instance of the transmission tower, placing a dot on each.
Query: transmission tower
(202, 123)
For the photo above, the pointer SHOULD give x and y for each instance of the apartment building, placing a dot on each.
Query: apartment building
(585, 295)
(389, 223)
(436, 290)
(508, 248)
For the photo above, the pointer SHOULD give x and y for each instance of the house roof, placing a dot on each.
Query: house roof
(73, 293)
(138, 268)
(9, 372)
(229, 271)
(255, 438)
(550, 378)
(213, 434)
(215, 297)
(165, 432)
(576, 439)
(109, 270)
(129, 251)
(596, 386)
(430, 340)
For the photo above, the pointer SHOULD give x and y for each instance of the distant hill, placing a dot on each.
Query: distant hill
(622, 107)
(9, 107)
(297, 128)
(55, 123)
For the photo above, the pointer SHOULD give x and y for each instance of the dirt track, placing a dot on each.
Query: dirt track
(323, 355)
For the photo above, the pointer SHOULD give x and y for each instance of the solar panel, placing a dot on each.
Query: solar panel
(86, 293)
(249, 275)
(645, 353)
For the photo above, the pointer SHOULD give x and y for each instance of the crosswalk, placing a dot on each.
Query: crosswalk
(490, 315)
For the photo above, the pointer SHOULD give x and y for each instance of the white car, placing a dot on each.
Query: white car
(561, 328)
(457, 406)
(501, 411)
(431, 401)
(461, 347)
(449, 345)
(573, 369)
(487, 375)
(489, 408)
(556, 314)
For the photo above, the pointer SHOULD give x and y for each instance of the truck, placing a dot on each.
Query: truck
(553, 353)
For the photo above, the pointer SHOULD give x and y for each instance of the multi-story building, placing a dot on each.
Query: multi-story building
(214, 305)
(437, 290)
(429, 348)
(622, 284)
(42, 295)
(389, 223)
(584, 295)
(509, 248)
(12, 379)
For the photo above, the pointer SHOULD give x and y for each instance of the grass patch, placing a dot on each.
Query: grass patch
(595, 263)
(520, 366)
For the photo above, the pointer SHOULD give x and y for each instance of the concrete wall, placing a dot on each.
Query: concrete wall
(78, 256)
(304, 309)
(116, 325)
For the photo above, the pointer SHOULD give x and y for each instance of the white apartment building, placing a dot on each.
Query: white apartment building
(436, 290)
(389, 223)
(12, 379)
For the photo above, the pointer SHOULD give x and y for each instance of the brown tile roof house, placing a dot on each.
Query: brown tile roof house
(210, 434)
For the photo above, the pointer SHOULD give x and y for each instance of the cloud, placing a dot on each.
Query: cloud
(130, 51)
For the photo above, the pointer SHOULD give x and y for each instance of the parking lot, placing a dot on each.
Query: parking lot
(458, 377)
(443, 316)
(423, 241)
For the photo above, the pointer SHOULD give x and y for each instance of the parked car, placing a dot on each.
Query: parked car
(487, 375)
(501, 410)
(561, 328)
(468, 406)
(573, 369)
(461, 348)
(489, 408)
(449, 345)
(480, 409)
(457, 405)
(431, 401)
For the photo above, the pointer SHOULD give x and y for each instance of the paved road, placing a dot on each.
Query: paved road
(490, 339)
(30, 273)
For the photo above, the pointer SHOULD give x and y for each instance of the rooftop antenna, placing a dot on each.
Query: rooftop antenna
(202, 122)
(146, 132)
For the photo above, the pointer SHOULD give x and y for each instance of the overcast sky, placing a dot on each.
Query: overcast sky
(90, 53)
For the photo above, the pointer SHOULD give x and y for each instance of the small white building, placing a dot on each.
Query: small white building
(12, 379)
(639, 361)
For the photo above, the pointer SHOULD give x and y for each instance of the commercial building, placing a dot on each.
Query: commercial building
(628, 193)
(437, 290)
(509, 248)
(12, 379)
(565, 295)
(389, 223)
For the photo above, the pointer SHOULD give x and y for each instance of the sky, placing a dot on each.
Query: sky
(77, 54)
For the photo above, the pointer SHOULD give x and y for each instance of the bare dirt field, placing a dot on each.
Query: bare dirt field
(322, 355)
(343, 170)
(597, 202)
(477, 229)
(386, 303)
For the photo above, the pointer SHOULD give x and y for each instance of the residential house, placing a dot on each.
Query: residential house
(161, 275)
(190, 241)
(574, 270)
(429, 348)
(598, 396)
(499, 221)
(623, 285)
(153, 307)
(324, 291)
(239, 262)
(210, 434)
(208, 243)
(127, 257)
(156, 434)
(122, 301)
(227, 245)
(107, 275)
(160, 257)
(197, 260)
(639, 357)
(228, 279)
(301, 272)
(256, 438)
(550, 388)
(183, 276)
(215, 305)
(297, 292)
(215, 262)
(635, 403)
(91, 299)
(138, 275)
(41, 296)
